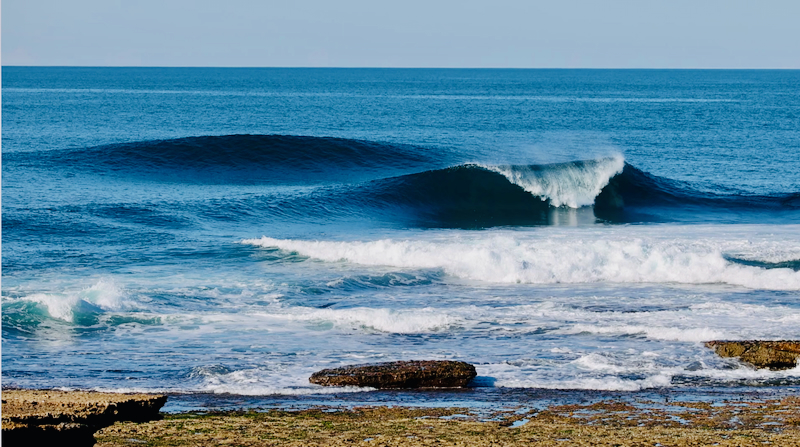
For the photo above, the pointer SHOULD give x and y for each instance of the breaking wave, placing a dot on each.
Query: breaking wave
(543, 260)
(412, 185)
(104, 303)
(569, 184)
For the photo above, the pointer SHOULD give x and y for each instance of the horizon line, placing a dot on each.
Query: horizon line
(393, 68)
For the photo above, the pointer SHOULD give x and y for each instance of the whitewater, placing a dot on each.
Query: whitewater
(561, 230)
(548, 257)
(573, 185)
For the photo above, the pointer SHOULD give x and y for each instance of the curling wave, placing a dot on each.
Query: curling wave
(609, 189)
(573, 184)
(410, 185)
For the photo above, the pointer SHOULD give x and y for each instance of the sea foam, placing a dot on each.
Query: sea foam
(104, 295)
(569, 184)
(407, 321)
(652, 332)
(587, 257)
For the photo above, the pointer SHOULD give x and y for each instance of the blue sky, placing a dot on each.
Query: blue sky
(410, 33)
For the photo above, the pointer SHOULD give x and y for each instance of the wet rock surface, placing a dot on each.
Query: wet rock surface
(42, 417)
(403, 374)
(635, 422)
(775, 355)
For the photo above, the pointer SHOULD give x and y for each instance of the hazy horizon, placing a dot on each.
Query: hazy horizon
(405, 68)
(617, 34)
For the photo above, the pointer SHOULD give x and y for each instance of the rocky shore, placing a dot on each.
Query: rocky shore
(637, 422)
(606, 423)
(77, 418)
(51, 417)
(775, 355)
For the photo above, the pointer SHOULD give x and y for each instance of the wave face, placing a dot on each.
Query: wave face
(473, 195)
(459, 196)
(333, 178)
(636, 188)
(793, 264)
(389, 174)
(608, 189)
(241, 159)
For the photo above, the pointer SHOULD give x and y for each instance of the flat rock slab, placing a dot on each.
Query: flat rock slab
(405, 374)
(775, 355)
(41, 417)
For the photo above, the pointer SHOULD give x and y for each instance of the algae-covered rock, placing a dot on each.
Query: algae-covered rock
(775, 355)
(49, 417)
(404, 374)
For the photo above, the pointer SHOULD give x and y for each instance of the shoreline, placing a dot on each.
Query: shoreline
(477, 399)
(667, 417)
(611, 422)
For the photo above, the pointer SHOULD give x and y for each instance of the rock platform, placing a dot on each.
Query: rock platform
(50, 417)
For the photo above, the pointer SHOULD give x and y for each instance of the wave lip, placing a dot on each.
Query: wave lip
(573, 184)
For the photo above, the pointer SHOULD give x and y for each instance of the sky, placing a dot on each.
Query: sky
(408, 33)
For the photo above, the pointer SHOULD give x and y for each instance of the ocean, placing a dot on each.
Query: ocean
(203, 231)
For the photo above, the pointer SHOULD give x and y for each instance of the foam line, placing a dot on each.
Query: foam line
(511, 259)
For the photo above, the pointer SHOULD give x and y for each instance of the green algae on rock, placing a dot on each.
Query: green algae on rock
(605, 423)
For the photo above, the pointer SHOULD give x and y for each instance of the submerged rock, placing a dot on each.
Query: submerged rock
(774, 355)
(48, 417)
(404, 374)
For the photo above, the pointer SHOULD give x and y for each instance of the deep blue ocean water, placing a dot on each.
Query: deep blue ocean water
(234, 230)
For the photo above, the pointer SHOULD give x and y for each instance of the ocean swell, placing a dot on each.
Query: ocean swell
(315, 177)
(237, 159)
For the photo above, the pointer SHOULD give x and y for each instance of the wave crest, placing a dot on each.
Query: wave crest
(105, 295)
(573, 184)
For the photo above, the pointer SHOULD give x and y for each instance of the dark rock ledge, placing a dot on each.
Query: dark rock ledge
(48, 417)
(404, 374)
(775, 355)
